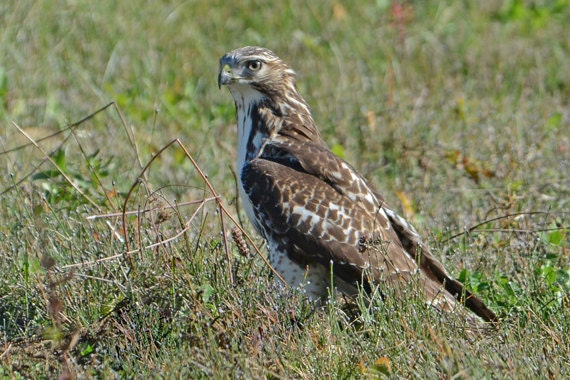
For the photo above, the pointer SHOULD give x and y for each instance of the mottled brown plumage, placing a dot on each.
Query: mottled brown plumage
(315, 211)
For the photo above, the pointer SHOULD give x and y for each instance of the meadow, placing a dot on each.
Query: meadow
(125, 253)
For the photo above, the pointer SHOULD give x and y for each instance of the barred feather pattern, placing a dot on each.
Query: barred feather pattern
(316, 212)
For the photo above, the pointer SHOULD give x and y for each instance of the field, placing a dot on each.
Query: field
(120, 252)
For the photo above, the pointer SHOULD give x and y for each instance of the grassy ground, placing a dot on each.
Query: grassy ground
(458, 112)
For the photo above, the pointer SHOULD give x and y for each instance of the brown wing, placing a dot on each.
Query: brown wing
(315, 222)
(327, 211)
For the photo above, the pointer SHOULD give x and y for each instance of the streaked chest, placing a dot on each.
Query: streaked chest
(251, 135)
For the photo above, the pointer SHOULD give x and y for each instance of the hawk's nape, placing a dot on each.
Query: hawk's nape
(314, 209)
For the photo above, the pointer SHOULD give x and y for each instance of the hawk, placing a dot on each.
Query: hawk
(320, 218)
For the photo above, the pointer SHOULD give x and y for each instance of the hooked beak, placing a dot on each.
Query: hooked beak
(225, 76)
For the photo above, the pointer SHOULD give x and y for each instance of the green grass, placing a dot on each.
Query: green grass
(458, 112)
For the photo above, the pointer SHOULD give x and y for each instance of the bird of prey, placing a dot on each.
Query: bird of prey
(320, 218)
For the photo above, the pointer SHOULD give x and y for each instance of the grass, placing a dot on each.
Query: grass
(458, 113)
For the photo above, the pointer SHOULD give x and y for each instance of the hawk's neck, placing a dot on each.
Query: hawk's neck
(261, 117)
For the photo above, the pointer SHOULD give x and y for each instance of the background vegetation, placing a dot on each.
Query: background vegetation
(458, 111)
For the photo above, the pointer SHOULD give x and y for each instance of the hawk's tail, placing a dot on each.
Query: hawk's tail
(434, 272)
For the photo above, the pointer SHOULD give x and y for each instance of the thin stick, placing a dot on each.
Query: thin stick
(117, 214)
(472, 228)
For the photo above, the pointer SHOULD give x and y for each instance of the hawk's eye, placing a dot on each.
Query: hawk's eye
(254, 65)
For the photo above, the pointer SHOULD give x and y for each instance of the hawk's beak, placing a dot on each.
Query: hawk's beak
(225, 76)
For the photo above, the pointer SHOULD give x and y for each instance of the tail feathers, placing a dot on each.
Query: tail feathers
(434, 271)
(471, 301)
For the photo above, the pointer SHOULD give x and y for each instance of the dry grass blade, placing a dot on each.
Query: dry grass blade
(48, 157)
(223, 212)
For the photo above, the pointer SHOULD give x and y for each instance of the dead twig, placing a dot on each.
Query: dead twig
(476, 226)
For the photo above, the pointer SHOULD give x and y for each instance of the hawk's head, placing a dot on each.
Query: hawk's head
(255, 68)
(266, 99)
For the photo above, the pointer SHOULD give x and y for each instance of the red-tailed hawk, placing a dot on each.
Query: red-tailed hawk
(316, 212)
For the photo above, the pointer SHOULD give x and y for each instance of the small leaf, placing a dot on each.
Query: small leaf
(87, 350)
(554, 121)
(338, 150)
(207, 292)
(463, 276)
(383, 365)
(407, 204)
(3, 82)
(59, 158)
(46, 174)
(339, 12)
(556, 237)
